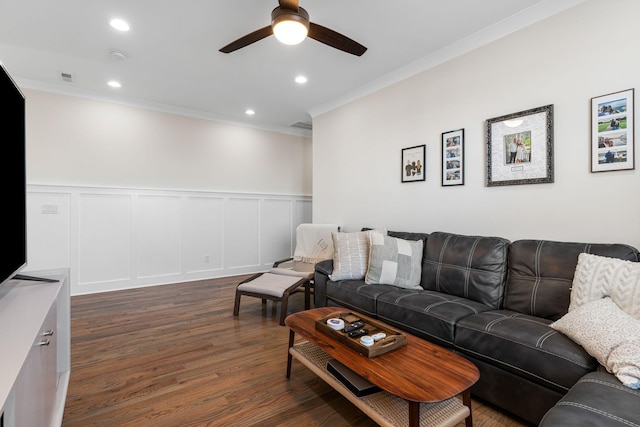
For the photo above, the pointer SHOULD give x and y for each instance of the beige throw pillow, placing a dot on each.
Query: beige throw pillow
(350, 255)
(597, 276)
(608, 334)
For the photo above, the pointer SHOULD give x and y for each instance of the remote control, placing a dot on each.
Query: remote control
(358, 333)
(353, 327)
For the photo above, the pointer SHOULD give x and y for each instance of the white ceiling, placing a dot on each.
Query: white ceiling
(173, 63)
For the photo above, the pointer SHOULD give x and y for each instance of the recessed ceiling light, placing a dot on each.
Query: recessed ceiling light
(301, 80)
(249, 112)
(114, 83)
(119, 24)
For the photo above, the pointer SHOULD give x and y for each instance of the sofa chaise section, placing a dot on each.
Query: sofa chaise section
(525, 365)
(597, 400)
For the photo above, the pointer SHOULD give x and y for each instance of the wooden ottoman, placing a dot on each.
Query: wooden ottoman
(274, 287)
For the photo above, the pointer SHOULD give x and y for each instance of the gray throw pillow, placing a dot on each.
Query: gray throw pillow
(394, 261)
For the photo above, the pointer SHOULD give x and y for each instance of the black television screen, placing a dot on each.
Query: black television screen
(13, 177)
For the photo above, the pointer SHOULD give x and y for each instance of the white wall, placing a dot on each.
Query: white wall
(77, 141)
(128, 197)
(565, 60)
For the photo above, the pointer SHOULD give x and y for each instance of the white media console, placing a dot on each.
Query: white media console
(35, 348)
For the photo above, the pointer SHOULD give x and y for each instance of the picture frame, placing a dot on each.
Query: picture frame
(453, 158)
(612, 132)
(520, 148)
(412, 168)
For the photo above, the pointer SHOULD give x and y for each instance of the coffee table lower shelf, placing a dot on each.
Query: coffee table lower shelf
(382, 407)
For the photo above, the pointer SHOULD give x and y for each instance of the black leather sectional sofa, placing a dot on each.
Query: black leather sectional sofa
(492, 301)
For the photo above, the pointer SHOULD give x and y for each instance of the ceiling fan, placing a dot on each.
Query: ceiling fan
(290, 24)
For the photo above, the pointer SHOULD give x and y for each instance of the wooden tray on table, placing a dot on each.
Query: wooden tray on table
(393, 340)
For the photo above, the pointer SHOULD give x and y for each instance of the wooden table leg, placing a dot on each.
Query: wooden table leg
(466, 401)
(289, 357)
(414, 414)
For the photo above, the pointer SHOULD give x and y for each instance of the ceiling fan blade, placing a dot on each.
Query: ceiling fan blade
(248, 39)
(335, 39)
(289, 4)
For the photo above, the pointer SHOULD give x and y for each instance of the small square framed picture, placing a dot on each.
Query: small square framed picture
(453, 158)
(413, 167)
(612, 140)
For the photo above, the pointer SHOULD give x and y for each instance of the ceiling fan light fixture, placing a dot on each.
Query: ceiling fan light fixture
(288, 26)
(290, 17)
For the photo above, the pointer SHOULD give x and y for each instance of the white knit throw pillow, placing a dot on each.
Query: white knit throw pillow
(598, 276)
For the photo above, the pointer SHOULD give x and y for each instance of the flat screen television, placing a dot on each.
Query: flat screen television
(13, 178)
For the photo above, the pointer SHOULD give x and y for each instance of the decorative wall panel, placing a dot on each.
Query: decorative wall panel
(113, 238)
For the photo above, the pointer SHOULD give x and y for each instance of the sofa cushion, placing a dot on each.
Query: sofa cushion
(356, 295)
(470, 267)
(350, 255)
(598, 400)
(541, 274)
(524, 345)
(597, 276)
(427, 314)
(608, 334)
(394, 261)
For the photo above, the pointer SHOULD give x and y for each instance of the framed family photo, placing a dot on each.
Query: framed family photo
(453, 158)
(413, 164)
(520, 148)
(612, 137)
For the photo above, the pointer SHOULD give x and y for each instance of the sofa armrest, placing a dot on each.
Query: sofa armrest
(321, 276)
(325, 267)
(597, 399)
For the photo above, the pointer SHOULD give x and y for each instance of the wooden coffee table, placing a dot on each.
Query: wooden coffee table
(423, 374)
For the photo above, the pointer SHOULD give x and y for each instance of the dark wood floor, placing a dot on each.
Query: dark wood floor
(174, 355)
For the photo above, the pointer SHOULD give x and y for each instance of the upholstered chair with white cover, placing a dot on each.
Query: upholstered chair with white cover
(314, 243)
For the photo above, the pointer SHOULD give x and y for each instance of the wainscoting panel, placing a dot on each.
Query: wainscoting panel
(203, 232)
(104, 238)
(158, 236)
(302, 212)
(114, 239)
(277, 240)
(242, 233)
(49, 229)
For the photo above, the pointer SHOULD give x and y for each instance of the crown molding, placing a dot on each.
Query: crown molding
(63, 89)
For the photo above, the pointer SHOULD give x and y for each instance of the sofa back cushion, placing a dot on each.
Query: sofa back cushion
(407, 235)
(472, 267)
(541, 274)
